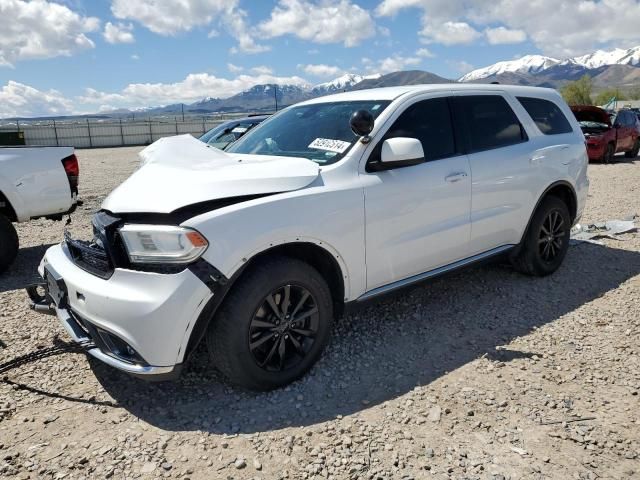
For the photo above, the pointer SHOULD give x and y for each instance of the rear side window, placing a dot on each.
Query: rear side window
(547, 116)
(490, 122)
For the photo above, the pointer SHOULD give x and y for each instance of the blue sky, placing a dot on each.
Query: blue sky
(83, 56)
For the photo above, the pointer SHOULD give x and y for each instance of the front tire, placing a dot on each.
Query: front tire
(273, 325)
(609, 153)
(547, 240)
(9, 243)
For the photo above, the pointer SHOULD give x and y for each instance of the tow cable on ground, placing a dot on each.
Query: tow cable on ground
(59, 348)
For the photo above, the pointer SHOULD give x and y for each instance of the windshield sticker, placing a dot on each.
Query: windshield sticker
(329, 145)
(239, 130)
(375, 107)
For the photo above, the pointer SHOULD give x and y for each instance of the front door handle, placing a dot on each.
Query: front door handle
(456, 177)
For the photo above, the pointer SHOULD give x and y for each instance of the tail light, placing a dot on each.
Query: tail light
(72, 169)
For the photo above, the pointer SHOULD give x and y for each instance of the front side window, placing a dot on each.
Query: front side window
(546, 115)
(623, 119)
(490, 122)
(320, 132)
(430, 122)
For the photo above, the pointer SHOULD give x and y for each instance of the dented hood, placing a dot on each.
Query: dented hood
(181, 171)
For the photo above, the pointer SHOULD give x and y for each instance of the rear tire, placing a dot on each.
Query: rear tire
(273, 325)
(633, 153)
(547, 240)
(9, 243)
(609, 154)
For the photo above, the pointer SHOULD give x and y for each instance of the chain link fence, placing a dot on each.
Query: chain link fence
(92, 133)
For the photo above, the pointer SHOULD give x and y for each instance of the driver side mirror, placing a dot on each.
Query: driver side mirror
(401, 152)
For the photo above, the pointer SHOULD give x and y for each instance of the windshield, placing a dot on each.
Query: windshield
(318, 132)
(222, 135)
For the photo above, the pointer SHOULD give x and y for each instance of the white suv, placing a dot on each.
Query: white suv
(331, 201)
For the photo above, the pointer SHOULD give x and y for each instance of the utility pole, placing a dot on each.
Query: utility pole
(275, 94)
(182, 105)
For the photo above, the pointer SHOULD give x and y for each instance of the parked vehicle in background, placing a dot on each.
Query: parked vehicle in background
(34, 182)
(335, 200)
(607, 134)
(225, 134)
(628, 126)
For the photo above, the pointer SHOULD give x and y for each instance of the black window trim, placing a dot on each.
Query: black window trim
(461, 123)
(372, 166)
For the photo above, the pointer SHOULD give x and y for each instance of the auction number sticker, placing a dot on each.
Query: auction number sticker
(330, 145)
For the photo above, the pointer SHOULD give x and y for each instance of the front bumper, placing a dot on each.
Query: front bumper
(149, 315)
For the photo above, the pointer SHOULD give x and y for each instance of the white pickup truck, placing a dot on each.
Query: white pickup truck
(35, 182)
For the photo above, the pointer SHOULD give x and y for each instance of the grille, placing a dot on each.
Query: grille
(89, 256)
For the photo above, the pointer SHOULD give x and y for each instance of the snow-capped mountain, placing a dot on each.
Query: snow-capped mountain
(527, 64)
(535, 64)
(344, 82)
(601, 58)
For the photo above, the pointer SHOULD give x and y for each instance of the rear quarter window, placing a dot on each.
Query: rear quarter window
(546, 115)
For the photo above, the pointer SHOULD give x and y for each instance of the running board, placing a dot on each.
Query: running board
(434, 273)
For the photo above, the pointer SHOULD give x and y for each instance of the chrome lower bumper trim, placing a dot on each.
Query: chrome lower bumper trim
(79, 336)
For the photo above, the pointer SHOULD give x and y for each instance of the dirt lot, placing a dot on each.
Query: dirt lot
(484, 374)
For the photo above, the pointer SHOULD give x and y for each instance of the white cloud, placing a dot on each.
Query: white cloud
(566, 28)
(194, 87)
(449, 33)
(559, 28)
(171, 17)
(424, 53)
(135, 56)
(41, 29)
(502, 35)
(236, 23)
(384, 31)
(262, 70)
(321, 70)
(390, 64)
(391, 7)
(118, 33)
(19, 100)
(320, 21)
(460, 66)
(234, 68)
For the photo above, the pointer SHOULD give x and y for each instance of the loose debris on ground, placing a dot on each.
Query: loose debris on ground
(485, 374)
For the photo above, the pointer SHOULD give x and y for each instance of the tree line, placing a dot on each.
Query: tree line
(580, 92)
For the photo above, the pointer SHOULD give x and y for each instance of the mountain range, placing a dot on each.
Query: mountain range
(613, 68)
(608, 68)
(262, 98)
(618, 67)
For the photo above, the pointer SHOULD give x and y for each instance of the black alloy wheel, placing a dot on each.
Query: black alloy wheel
(551, 237)
(273, 324)
(284, 328)
(546, 242)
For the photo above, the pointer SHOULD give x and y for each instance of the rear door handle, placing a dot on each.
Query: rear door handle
(456, 177)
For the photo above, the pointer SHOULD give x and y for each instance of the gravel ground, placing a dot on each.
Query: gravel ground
(483, 374)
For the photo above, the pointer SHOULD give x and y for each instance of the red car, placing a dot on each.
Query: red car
(605, 139)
